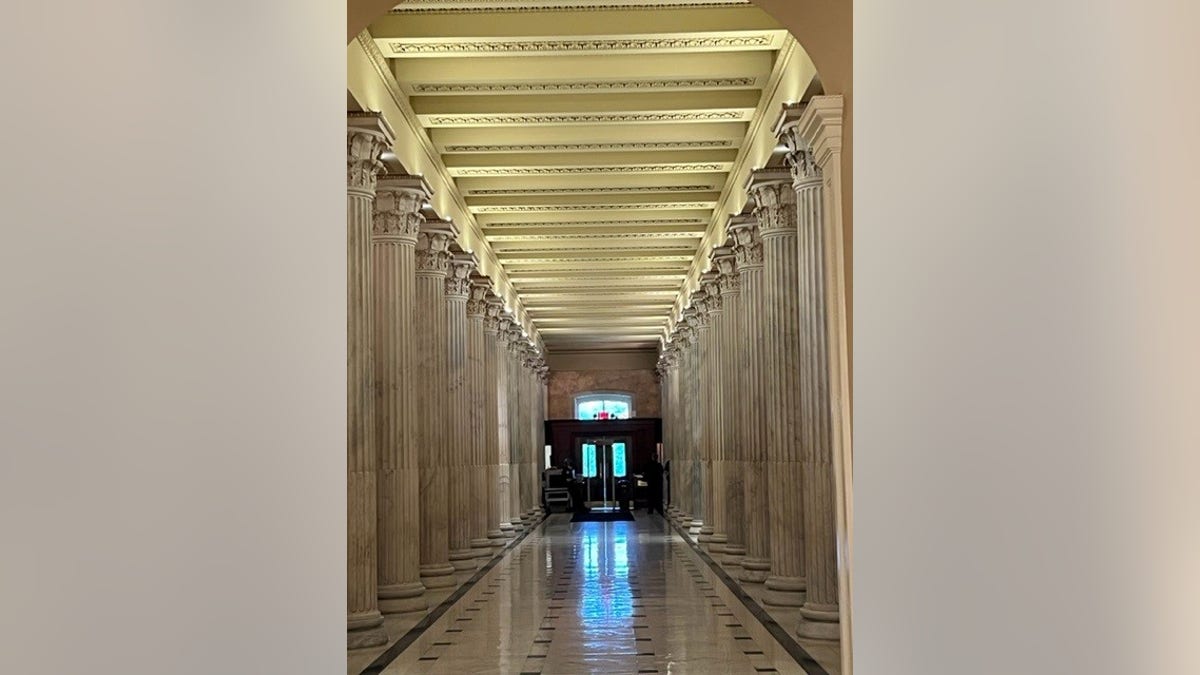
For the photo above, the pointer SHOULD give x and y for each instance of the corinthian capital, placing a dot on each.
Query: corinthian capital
(725, 261)
(711, 282)
(398, 203)
(458, 276)
(774, 199)
(481, 288)
(367, 136)
(494, 314)
(748, 249)
(433, 246)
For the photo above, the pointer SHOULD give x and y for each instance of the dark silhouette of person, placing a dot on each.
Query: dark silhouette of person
(654, 486)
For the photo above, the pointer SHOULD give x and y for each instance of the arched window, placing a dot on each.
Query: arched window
(604, 405)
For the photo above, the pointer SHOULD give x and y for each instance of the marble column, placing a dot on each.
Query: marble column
(709, 281)
(397, 221)
(515, 404)
(368, 135)
(733, 347)
(683, 442)
(699, 353)
(432, 373)
(752, 409)
(775, 208)
(478, 370)
(498, 515)
(456, 418)
(813, 134)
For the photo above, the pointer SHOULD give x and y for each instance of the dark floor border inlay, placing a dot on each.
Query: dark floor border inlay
(781, 635)
(385, 659)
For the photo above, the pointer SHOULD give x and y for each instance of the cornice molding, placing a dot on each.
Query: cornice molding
(579, 147)
(593, 190)
(474, 6)
(598, 223)
(587, 118)
(427, 46)
(578, 86)
(570, 170)
(653, 206)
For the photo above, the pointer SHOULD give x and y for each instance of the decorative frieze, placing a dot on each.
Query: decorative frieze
(442, 47)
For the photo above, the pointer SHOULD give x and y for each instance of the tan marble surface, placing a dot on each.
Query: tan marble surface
(565, 385)
(598, 598)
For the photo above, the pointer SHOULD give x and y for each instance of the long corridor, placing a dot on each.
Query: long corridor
(597, 597)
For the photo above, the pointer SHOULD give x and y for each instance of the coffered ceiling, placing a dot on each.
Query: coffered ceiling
(593, 143)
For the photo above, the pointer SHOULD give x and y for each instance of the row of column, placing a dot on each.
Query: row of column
(751, 421)
(445, 399)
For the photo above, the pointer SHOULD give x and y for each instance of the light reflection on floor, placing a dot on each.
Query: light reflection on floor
(613, 597)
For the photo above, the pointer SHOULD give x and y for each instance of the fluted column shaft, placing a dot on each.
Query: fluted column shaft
(732, 347)
(776, 212)
(503, 411)
(492, 427)
(456, 417)
(702, 495)
(478, 376)
(367, 137)
(515, 405)
(397, 221)
(432, 373)
(756, 564)
(713, 493)
(696, 423)
(820, 614)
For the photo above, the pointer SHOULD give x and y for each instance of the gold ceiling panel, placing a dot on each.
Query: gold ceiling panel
(591, 141)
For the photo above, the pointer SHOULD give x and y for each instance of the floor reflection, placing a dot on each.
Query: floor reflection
(606, 599)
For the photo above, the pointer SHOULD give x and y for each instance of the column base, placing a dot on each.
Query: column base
(507, 530)
(463, 559)
(733, 555)
(402, 598)
(754, 570)
(819, 622)
(365, 630)
(497, 540)
(785, 591)
(439, 575)
(705, 534)
(482, 547)
(716, 544)
(695, 527)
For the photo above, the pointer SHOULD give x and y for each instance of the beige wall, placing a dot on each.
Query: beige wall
(564, 385)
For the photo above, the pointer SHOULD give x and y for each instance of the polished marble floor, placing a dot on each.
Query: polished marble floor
(618, 597)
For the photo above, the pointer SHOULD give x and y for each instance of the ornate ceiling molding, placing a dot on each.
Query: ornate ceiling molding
(581, 147)
(599, 223)
(576, 86)
(459, 6)
(592, 190)
(574, 170)
(604, 235)
(586, 118)
(427, 46)
(653, 206)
